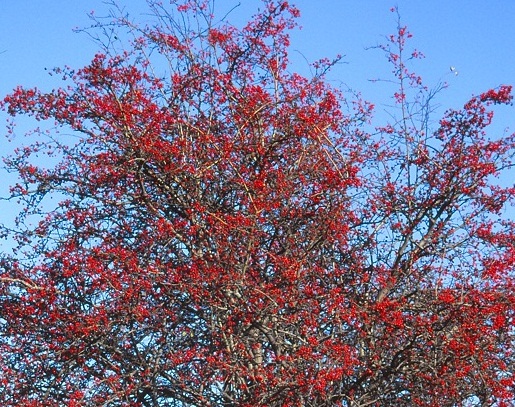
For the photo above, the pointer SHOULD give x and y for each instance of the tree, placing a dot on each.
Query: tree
(229, 233)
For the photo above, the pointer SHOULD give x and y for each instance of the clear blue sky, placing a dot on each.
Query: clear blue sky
(475, 36)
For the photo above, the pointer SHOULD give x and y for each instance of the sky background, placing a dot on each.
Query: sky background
(475, 36)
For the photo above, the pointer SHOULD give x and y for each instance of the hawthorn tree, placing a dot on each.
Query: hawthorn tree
(220, 231)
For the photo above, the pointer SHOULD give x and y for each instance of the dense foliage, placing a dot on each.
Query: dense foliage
(216, 230)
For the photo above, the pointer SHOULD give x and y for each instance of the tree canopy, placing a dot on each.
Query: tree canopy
(227, 232)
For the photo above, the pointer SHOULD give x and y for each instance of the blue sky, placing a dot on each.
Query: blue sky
(475, 36)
